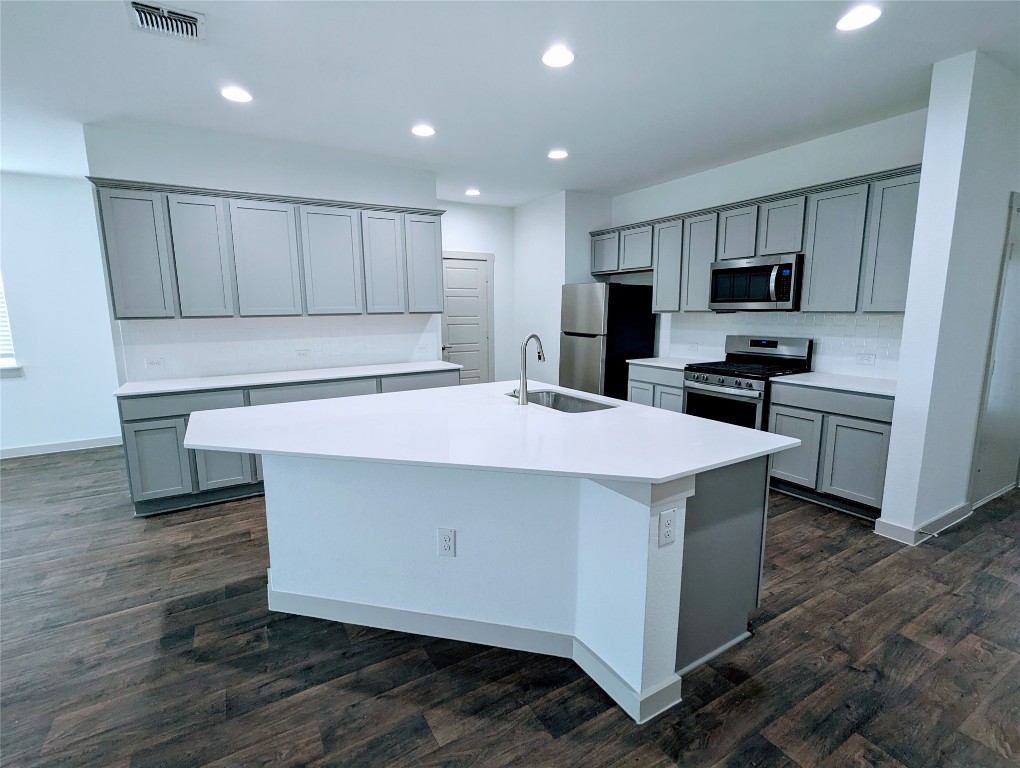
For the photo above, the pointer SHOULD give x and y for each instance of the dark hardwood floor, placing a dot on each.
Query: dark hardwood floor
(145, 642)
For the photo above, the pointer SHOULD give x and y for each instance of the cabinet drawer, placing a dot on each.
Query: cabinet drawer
(873, 407)
(419, 381)
(667, 376)
(317, 391)
(156, 406)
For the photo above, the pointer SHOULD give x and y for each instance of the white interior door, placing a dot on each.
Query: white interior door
(997, 448)
(466, 319)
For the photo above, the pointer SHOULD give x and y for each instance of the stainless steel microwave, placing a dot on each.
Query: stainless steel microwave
(763, 283)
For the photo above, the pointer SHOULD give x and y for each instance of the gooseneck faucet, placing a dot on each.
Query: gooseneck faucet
(522, 391)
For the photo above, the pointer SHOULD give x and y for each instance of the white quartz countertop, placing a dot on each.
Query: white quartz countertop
(478, 427)
(864, 385)
(163, 386)
(674, 363)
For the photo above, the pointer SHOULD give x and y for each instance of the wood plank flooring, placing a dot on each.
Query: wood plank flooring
(146, 642)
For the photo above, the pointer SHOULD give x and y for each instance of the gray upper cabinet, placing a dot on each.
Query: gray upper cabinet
(605, 252)
(331, 254)
(383, 238)
(698, 255)
(737, 231)
(856, 451)
(797, 465)
(266, 258)
(834, 242)
(781, 226)
(158, 462)
(891, 217)
(636, 248)
(423, 240)
(667, 253)
(198, 228)
(135, 231)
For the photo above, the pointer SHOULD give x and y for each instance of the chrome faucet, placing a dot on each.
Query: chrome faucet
(522, 391)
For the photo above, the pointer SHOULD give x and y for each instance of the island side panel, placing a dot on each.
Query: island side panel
(365, 534)
(723, 536)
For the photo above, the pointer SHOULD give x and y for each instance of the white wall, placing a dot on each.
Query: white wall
(971, 163)
(539, 272)
(880, 146)
(56, 298)
(489, 229)
(584, 214)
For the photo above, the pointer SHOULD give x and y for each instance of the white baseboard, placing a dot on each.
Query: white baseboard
(994, 496)
(70, 445)
(924, 531)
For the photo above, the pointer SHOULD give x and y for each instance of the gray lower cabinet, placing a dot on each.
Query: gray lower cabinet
(419, 381)
(781, 226)
(833, 246)
(656, 386)
(698, 255)
(640, 392)
(737, 232)
(318, 390)
(424, 258)
(158, 462)
(636, 248)
(667, 254)
(383, 238)
(669, 398)
(198, 226)
(137, 253)
(331, 256)
(266, 258)
(844, 441)
(854, 459)
(605, 252)
(893, 209)
(797, 465)
(221, 469)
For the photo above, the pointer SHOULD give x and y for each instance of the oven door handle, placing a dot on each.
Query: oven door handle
(772, 282)
(749, 394)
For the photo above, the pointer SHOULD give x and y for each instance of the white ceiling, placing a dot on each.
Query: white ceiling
(659, 90)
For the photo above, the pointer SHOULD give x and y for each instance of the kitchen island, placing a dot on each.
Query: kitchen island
(628, 539)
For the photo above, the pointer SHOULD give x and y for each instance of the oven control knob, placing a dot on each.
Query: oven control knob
(737, 382)
(722, 379)
(749, 385)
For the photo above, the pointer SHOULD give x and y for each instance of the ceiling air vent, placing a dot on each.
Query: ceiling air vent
(170, 22)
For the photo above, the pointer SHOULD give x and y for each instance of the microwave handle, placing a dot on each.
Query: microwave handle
(772, 282)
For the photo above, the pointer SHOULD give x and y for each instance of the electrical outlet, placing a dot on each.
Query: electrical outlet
(865, 359)
(692, 347)
(667, 527)
(155, 362)
(446, 542)
(303, 353)
(422, 348)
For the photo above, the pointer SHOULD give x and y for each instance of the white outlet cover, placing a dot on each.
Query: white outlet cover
(446, 542)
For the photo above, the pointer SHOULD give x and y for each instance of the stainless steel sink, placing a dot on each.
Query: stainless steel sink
(559, 401)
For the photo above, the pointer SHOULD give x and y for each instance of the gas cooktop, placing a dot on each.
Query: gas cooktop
(747, 369)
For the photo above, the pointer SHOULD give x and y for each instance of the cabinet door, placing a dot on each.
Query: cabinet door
(669, 398)
(781, 226)
(331, 254)
(639, 392)
(222, 469)
(667, 251)
(266, 258)
(797, 465)
(737, 230)
(383, 238)
(157, 459)
(855, 457)
(834, 241)
(636, 248)
(134, 228)
(198, 231)
(699, 253)
(419, 381)
(891, 217)
(605, 252)
(423, 239)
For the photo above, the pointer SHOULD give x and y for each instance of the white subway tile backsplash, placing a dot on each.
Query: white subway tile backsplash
(222, 346)
(838, 337)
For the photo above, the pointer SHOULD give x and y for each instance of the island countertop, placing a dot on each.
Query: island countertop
(479, 427)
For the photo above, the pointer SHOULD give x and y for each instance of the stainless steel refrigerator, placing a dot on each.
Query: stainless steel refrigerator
(602, 325)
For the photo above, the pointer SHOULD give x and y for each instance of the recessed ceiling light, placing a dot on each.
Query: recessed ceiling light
(558, 56)
(557, 154)
(236, 93)
(423, 130)
(858, 17)
(472, 192)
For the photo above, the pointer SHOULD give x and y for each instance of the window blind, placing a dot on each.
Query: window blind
(6, 340)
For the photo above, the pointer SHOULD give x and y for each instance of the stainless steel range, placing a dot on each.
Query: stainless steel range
(736, 390)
